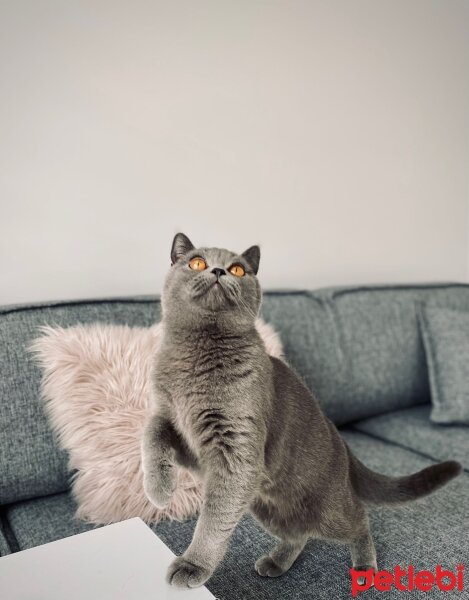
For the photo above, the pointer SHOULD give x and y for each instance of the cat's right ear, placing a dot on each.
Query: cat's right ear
(253, 256)
(181, 245)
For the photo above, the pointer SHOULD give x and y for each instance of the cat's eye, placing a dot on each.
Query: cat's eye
(198, 264)
(237, 270)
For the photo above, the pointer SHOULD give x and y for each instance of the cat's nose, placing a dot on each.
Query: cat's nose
(218, 272)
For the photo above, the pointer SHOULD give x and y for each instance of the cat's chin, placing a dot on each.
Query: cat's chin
(214, 298)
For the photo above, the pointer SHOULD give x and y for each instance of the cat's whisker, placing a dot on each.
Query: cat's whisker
(243, 304)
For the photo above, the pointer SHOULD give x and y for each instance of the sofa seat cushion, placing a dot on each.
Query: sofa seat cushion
(413, 429)
(43, 520)
(426, 533)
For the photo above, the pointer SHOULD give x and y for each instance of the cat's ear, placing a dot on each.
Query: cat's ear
(253, 256)
(181, 245)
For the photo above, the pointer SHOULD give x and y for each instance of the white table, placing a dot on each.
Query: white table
(125, 561)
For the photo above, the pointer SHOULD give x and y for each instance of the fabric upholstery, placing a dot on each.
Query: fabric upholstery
(431, 531)
(308, 332)
(383, 366)
(412, 428)
(43, 520)
(445, 334)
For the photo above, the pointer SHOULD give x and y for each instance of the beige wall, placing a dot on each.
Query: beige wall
(333, 133)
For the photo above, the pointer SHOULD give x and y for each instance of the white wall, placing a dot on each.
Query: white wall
(333, 133)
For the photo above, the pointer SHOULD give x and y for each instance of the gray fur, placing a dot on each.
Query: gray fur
(250, 429)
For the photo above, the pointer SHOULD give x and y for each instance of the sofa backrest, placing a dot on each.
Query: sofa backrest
(358, 349)
(381, 363)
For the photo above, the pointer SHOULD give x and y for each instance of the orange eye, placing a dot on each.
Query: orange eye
(198, 264)
(237, 270)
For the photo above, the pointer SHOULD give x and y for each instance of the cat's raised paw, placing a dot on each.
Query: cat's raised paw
(181, 573)
(266, 567)
(160, 488)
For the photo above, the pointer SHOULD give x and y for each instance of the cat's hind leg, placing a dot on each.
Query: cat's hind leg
(281, 558)
(363, 550)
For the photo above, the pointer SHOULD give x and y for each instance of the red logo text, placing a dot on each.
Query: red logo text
(408, 579)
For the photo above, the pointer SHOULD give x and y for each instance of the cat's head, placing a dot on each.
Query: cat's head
(206, 283)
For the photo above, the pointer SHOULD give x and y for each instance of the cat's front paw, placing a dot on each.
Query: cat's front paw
(159, 485)
(184, 574)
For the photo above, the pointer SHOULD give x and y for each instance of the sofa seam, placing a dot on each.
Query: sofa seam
(400, 445)
(430, 356)
(338, 331)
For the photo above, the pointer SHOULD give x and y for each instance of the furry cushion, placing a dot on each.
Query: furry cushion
(96, 390)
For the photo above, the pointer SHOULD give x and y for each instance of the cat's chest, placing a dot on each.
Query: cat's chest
(204, 388)
(204, 370)
(197, 410)
(199, 383)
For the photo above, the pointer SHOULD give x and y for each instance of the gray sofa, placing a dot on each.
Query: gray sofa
(358, 349)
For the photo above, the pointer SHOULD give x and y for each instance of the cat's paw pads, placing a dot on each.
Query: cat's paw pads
(181, 573)
(266, 567)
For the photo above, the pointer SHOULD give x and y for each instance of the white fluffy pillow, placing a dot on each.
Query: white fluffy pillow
(96, 390)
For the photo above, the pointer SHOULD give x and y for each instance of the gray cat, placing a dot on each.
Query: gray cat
(251, 430)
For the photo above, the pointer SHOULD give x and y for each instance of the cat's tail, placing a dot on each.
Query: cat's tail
(379, 489)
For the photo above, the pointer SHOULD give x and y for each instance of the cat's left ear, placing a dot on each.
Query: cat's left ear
(253, 256)
(181, 245)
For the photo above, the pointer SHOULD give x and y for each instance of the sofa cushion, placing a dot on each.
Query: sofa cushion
(445, 334)
(412, 428)
(31, 462)
(384, 362)
(43, 520)
(308, 331)
(426, 533)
